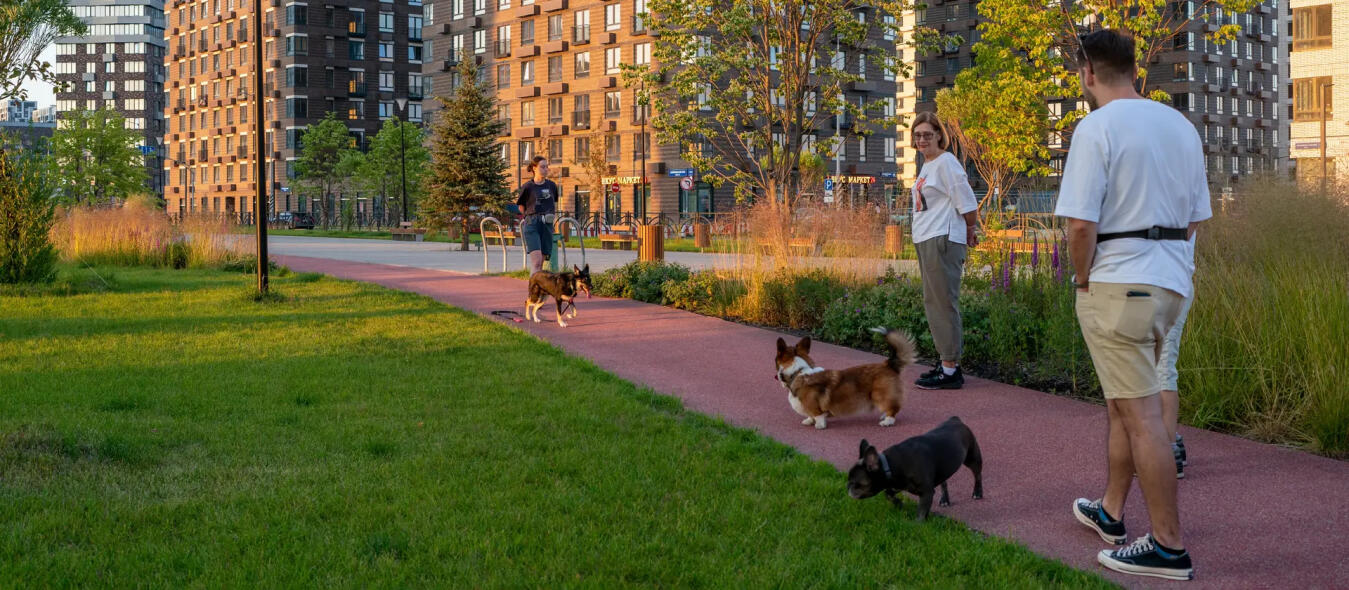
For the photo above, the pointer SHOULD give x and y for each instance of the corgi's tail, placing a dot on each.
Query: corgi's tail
(901, 347)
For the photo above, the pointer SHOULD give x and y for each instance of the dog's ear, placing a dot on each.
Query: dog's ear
(578, 271)
(586, 268)
(871, 458)
(782, 345)
(862, 448)
(804, 345)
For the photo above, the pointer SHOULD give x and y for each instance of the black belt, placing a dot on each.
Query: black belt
(1155, 232)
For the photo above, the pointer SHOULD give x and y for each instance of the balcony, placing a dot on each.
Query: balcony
(580, 120)
(355, 29)
(843, 120)
(503, 48)
(640, 118)
(580, 34)
(416, 92)
(638, 25)
(355, 88)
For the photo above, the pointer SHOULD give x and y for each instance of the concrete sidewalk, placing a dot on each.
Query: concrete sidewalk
(1254, 515)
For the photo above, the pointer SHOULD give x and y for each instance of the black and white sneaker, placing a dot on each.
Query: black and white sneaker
(1144, 558)
(1180, 448)
(1091, 513)
(1179, 454)
(930, 373)
(941, 380)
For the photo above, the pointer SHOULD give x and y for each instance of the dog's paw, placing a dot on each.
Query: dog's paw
(944, 503)
(819, 423)
(978, 496)
(562, 324)
(888, 421)
(808, 421)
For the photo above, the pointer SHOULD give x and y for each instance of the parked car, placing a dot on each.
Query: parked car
(293, 220)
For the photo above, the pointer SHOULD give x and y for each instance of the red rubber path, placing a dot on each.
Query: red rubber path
(1254, 515)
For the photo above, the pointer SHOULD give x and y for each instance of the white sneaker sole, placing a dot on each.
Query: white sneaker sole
(1168, 573)
(1113, 540)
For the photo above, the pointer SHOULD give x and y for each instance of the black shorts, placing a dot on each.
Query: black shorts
(538, 235)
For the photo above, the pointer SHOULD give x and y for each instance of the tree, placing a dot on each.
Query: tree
(26, 217)
(733, 75)
(594, 167)
(999, 109)
(98, 157)
(26, 28)
(467, 171)
(327, 160)
(381, 170)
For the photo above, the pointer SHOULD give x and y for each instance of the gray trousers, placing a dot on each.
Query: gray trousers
(941, 262)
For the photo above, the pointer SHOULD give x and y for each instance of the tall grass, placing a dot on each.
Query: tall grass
(138, 234)
(1266, 349)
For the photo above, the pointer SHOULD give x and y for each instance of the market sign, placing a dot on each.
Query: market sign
(622, 180)
(853, 179)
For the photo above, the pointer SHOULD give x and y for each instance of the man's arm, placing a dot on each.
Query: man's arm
(971, 224)
(1189, 234)
(1082, 249)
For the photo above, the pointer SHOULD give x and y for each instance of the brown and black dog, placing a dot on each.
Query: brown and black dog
(563, 287)
(817, 393)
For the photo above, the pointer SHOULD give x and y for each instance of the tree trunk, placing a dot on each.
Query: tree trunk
(463, 244)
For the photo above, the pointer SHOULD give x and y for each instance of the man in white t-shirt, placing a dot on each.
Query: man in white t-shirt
(1133, 190)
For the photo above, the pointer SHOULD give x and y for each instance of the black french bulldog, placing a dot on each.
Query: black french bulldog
(918, 465)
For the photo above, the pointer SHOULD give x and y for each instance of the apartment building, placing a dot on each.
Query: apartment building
(1320, 72)
(360, 59)
(556, 66)
(119, 65)
(17, 111)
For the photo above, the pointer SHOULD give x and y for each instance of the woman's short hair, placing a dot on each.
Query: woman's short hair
(534, 163)
(931, 119)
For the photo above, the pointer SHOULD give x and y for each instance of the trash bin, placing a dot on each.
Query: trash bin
(702, 236)
(894, 240)
(651, 242)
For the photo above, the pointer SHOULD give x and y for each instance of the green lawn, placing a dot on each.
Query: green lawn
(171, 432)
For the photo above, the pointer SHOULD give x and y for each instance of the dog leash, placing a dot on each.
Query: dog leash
(508, 314)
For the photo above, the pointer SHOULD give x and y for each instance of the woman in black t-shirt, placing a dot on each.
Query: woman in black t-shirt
(537, 200)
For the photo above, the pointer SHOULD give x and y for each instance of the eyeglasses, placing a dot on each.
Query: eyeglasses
(924, 135)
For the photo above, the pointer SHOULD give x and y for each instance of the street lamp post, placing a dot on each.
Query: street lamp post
(403, 155)
(259, 132)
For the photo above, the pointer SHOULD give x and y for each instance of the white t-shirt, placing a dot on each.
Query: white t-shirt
(1135, 164)
(941, 195)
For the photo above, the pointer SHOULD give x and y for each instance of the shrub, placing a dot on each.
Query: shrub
(26, 216)
(642, 281)
(793, 298)
(140, 235)
(705, 293)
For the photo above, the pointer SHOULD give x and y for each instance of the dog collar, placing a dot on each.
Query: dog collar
(805, 371)
(885, 464)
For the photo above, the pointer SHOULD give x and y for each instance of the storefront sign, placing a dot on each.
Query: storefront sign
(1307, 146)
(853, 179)
(622, 180)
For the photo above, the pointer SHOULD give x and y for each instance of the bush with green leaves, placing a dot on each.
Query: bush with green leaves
(642, 281)
(26, 217)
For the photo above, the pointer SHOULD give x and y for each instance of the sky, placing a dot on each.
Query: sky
(41, 92)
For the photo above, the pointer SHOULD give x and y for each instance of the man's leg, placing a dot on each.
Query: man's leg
(1120, 465)
(1152, 458)
(1170, 412)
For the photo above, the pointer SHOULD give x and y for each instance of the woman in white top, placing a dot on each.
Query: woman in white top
(945, 217)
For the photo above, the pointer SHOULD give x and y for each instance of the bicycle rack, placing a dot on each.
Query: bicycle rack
(562, 246)
(482, 231)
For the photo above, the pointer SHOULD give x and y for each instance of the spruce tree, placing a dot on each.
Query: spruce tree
(466, 166)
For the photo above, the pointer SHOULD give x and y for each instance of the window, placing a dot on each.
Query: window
(386, 22)
(504, 76)
(1183, 101)
(613, 104)
(415, 53)
(888, 145)
(581, 68)
(297, 77)
(479, 7)
(503, 41)
(526, 151)
(613, 60)
(555, 150)
(580, 149)
(555, 110)
(414, 111)
(1311, 27)
(90, 86)
(386, 81)
(613, 17)
(526, 73)
(503, 4)
(297, 108)
(861, 149)
(641, 54)
(580, 116)
(613, 148)
(527, 112)
(555, 69)
(527, 33)
(555, 27)
(385, 109)
(296, 15)
(355, 50)
(1308, 94)
(581, 34)
(417, 86)
(480, 41)
(457, 10)
(386, 50)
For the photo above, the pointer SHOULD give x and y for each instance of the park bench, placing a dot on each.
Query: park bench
(621, 237)
(1013, 238)
(508, 235)
(406, 233)
(801, 246)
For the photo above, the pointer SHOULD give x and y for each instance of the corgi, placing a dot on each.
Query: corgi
(819, 394)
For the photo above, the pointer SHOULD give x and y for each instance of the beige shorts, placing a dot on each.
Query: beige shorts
(1125, 327)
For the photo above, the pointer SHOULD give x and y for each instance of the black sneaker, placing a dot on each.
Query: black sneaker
(931, 373)
(1144, 558)
(1180, 448)
(943, 381)
(1091, 514)
(1179, 454)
